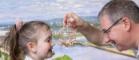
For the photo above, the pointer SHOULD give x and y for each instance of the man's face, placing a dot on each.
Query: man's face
(117, 34)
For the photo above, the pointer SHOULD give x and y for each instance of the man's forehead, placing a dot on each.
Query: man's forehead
(105, 22)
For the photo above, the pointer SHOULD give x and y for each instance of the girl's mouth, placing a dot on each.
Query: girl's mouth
(50, 53)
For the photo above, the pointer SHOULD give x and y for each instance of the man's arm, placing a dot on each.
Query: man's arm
(92, 33)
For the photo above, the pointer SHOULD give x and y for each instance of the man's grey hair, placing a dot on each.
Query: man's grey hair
(117, 9)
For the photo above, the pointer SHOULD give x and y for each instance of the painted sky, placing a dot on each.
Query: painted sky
(48, 9)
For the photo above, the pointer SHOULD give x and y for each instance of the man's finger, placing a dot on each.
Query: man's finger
(73, 15)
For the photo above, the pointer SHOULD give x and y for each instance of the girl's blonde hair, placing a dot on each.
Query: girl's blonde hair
(17, 39)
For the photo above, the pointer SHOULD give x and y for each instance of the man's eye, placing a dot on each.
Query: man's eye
(104, 31)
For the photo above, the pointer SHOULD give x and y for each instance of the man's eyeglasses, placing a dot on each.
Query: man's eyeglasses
(107, 30)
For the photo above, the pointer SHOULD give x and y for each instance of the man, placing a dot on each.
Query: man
(119, 21)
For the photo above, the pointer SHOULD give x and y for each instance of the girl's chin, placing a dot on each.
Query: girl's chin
(50, 54)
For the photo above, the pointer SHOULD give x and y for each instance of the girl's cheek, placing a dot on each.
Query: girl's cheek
(48, 45)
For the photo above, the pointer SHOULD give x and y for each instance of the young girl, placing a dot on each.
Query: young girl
(31, 42)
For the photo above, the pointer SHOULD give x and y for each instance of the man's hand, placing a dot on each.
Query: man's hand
(92, 33)
(73, 21)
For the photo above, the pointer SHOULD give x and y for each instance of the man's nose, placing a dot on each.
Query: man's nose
(106, 39)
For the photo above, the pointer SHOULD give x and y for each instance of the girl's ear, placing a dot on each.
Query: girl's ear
(32, 47)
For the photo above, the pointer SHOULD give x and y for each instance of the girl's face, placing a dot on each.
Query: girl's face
(44, 48)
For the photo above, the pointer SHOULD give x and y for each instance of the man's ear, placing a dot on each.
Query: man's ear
(126, 23)
(32, 47)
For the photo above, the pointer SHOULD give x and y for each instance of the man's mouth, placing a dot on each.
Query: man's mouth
(113, 43)
(116, 45)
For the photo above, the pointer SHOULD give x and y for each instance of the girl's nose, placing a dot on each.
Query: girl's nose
(52, 44)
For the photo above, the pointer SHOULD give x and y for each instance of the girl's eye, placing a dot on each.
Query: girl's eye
(49, 39)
